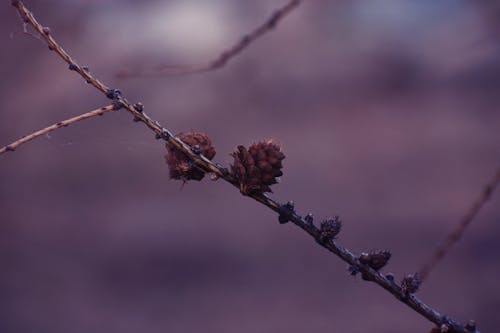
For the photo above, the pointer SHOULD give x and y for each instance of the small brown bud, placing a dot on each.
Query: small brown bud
(180, 166)
(329, 229)
(257, 167)
(410, 283)
(375, 260)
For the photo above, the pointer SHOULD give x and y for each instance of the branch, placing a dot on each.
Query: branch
(222, 59)
(53, 127)
(287, 213)
(457, 233)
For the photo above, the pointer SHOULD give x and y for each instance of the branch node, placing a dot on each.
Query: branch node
(165, 135)
(9, 148)
(139, 107)
(117, 105)
(113, 93)
(73, 67)
(286, 211)
(309, 218)
(46, 30)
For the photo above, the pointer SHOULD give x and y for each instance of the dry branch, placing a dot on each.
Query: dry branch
(286, 212)
(457, 233)
(53, 127)
(222, 59)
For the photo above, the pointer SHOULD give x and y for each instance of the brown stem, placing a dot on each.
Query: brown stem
(222, 59)
(53, 127)
(208, 166)
(455, 235)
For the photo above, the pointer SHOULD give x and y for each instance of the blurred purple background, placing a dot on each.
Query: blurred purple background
(388, 112)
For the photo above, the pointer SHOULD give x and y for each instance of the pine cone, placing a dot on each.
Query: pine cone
(257, 167)
(180, 166)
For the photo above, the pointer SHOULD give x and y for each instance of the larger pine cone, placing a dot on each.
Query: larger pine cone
(180, 166)
(257, 167)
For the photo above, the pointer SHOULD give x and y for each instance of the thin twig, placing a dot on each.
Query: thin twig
(456, 234)
(291, 215)
(53, 127)
(222, 59)
(24, 30)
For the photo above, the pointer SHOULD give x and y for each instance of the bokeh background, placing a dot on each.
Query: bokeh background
(387, 110)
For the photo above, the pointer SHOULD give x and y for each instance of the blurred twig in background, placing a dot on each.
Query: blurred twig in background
(366, 264)
(221, 60)
(53, 127)
(460, 228)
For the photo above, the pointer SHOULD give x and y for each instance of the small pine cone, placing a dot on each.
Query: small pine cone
(257, 167)
(375, 260)
(410, 283)
(180, 166)
(329, 229)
